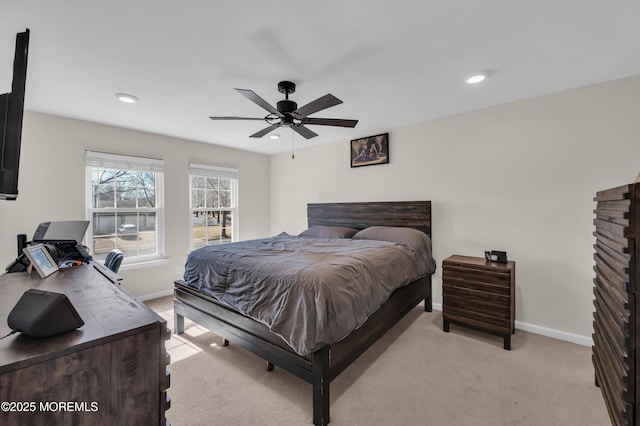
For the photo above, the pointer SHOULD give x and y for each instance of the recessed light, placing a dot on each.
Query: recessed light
(475, 78)
(126, 98)
(274, 136)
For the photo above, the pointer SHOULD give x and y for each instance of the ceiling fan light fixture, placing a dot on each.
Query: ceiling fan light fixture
(126, 98)
(274, 136)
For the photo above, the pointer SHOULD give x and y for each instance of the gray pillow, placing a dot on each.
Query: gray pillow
(322, 231)
(417, 240)
(411, 236)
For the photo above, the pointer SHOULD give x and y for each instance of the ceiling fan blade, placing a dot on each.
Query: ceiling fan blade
(330, 122)
(264, 131)
(304, 132)
(250, 94)
(236, 118)
(314, 106)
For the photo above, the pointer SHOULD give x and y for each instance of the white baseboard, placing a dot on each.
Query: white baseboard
(555, 334)
(544, 331)
(156, 295)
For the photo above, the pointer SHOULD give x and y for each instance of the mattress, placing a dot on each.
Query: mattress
(309, 291)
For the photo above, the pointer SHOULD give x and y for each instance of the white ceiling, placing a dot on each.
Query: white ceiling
(391, 62)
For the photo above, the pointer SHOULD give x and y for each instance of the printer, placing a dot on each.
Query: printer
(62, 239)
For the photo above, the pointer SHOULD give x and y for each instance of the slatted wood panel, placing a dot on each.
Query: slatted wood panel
(413, 214)
(615, 319)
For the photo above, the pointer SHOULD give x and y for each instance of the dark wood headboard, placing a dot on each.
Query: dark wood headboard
(412, 214)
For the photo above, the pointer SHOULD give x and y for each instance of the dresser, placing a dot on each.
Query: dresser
(616, 324)
(110, 371)
(479, 294)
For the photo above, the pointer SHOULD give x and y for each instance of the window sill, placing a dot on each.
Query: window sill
(144, 264)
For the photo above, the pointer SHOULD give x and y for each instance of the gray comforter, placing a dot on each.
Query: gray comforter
(309, 291)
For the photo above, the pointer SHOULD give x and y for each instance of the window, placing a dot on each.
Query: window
(124, 205)
(214, 210)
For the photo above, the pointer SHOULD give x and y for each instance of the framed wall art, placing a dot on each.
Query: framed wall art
(370, 150)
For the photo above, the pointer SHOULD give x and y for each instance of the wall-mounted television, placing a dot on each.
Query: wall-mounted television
(11, 111)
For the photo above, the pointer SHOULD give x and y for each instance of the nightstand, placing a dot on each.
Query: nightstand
(479, 294)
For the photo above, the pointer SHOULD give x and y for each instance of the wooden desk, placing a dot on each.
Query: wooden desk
(111, 371)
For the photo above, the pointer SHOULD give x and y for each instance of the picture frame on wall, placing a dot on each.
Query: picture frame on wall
(370, 151)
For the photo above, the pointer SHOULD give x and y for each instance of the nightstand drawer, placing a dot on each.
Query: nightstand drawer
(477, 306)
(501, 299)
(477, 284)
(500, 278)
(483, 322)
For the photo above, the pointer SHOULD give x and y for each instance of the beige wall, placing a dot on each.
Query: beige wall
(518, 177)
(52, 187)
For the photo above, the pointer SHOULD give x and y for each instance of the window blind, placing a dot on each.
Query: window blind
(212, 171)
(123, 162)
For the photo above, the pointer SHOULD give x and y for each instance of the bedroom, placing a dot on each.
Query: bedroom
(519, 177)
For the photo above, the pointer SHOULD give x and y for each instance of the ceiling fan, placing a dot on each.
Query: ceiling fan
(288, 114)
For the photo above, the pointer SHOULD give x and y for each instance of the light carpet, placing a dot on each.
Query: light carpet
(414, 375)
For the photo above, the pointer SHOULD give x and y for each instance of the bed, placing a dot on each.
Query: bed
(323, 362)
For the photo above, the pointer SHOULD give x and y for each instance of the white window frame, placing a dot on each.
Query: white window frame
(125, 162)
(201, 170)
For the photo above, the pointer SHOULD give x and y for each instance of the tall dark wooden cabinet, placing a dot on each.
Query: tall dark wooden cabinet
(615, 336)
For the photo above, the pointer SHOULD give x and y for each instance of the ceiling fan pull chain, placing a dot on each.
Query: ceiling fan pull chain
(293, 157)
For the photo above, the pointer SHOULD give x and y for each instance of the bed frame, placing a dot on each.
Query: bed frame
(325, 364)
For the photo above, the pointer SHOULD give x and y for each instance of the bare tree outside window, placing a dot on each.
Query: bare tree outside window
(124, 217)
(212, 209)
